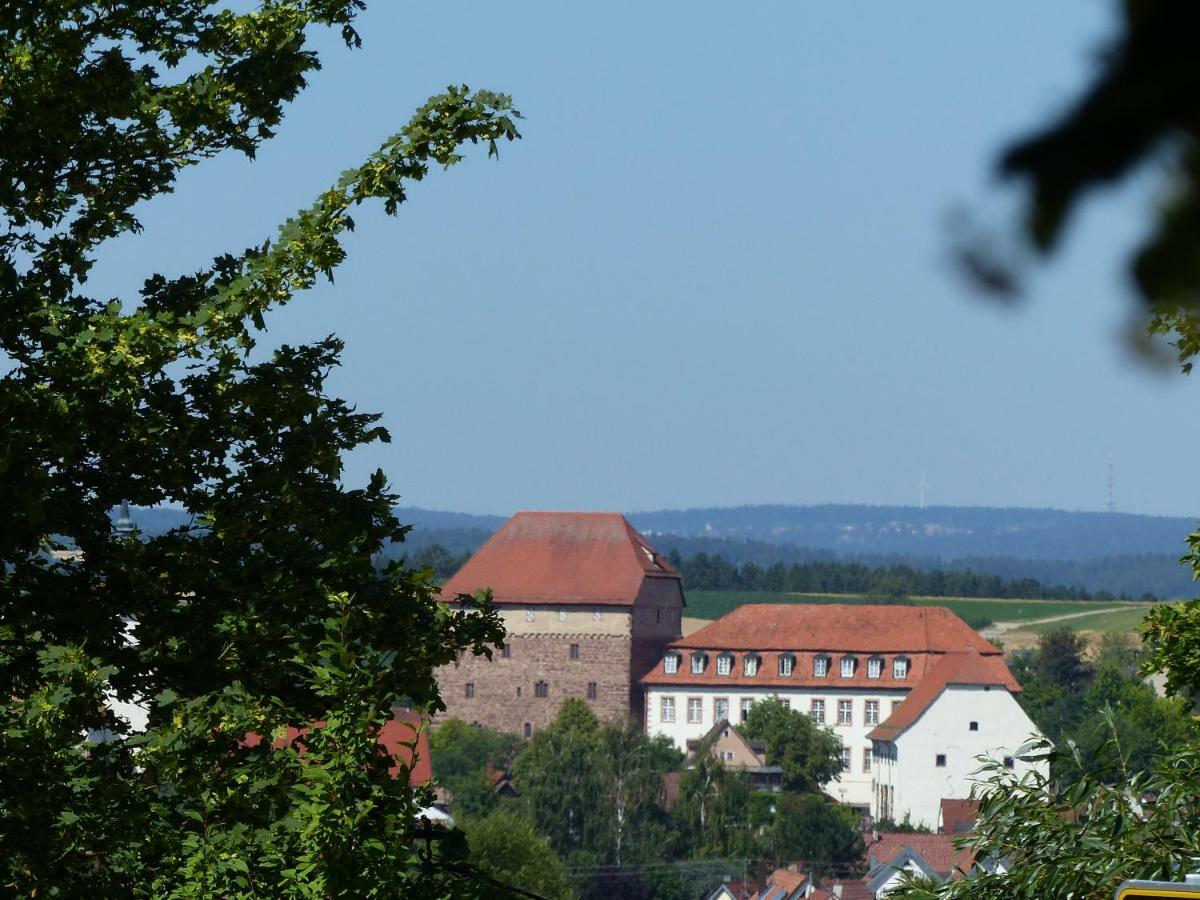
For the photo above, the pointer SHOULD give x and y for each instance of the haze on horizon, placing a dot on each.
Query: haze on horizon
(715, 271)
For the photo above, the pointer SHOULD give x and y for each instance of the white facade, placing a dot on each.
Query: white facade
(937, 756)
(689, 712)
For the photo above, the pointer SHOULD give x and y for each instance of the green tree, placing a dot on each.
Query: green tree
(267, 609)
(461, 754)
(810, 828)
(713, 812)
(506, 847)
(809, 755)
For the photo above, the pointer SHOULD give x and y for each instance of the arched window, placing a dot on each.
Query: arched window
(849, 665)
(724, 663)
(787, 663)
(750, 665)
(875, 667)
(699, 660)
(900, 667)
(820, 666)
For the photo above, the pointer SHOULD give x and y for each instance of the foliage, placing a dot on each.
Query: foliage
(713, 813)
(809, 754)
(506, 847)
(1069, 697)
(809, 828)
(704, 571)
(461, 754)
(266, 609)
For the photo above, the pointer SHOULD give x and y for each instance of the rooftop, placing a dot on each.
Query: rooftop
(557, 558)
(937, 850)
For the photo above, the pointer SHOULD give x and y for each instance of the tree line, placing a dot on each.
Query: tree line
(600, 804)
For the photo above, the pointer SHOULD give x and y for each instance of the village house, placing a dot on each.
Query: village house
(963, 709)
(851, 668)
(589, 606)
(737, 754)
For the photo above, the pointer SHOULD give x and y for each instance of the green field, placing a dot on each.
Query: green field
(978, 613)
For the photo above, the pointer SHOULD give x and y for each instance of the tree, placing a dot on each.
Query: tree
(506, 847)
(461, 754)
(713, 810)
(809, 755)
(265, 611)
(809, 827)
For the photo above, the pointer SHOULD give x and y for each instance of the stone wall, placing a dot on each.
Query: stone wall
(504, 690)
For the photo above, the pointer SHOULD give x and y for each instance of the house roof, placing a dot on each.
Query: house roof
(560, 558)
(966, 668)
(837, 628)
(937, 850)
(783, 884)
(401, 736)
(805, 631)
(959, 816)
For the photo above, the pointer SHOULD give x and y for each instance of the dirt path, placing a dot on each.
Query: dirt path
(999, 629)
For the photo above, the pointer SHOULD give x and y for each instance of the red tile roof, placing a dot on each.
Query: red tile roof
(959, 816)
(401, 736)
(936, 849)
(562, 558)
(805, 631)
(966, 668)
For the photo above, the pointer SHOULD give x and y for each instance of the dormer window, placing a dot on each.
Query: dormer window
(787, 662)
(698, 662)
(849, 664)
(820, 667)
(724, 663)
(750, 666)
(900, 667)
(671, 663)
(875, 667)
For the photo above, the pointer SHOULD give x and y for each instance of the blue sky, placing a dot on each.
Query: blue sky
(715, 270)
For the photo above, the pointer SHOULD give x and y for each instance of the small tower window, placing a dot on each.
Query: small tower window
(469, 690)
(574, 651)
(541, 689)
(528, 730)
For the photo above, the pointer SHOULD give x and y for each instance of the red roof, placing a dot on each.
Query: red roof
(959, 816)
(401, 736)
(936, 849)
(968, 668)
(807, 630)
(562, 558)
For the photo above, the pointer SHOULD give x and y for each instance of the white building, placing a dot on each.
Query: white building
(963, 709)
(848, 666)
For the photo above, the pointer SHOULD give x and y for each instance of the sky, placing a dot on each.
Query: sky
(715, 270)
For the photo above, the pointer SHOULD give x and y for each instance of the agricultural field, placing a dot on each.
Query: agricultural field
(981, 613)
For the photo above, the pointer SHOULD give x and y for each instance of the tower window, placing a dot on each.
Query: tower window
(541, 689)
(591, 690)
(469, 690)
(574, 651)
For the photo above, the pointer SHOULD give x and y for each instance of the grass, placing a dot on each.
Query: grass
(978, 613)
(1124, 620)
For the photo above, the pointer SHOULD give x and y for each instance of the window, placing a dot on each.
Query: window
(591, 690)
(670, 663)
(940, 760)
(787, 704)
(724, 664)
(470, 689)
(505, 651)
(667, 710)
(698, 660)
(900, 667)
(845, 758)
(875, 667)
(528, 730)
(866, 760)
(574, 651)
(820, 666)
(845, 712)
(695, 710)
(849, 664)
(817, 711)
(541, 689)
(896, 704)
(529, 615)
(750, 667)
(974, 726)
(562, 615)
(518, 690)
(786, 663)
(872, 712)
(746, 704)
(721, 709)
